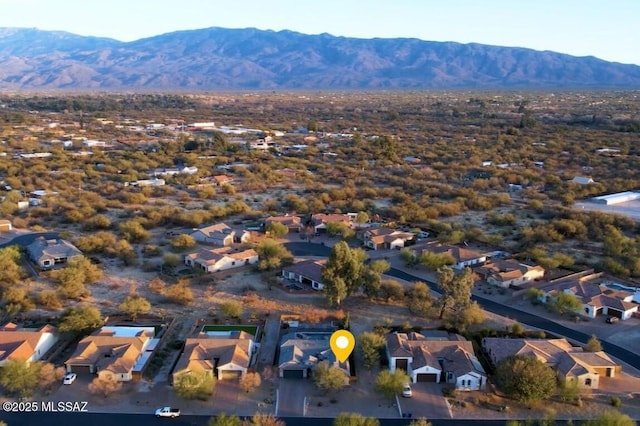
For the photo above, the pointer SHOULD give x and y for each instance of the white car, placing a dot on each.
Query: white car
(406, 391)
(69, 378)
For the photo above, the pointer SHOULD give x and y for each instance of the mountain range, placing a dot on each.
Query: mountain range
(251, 59)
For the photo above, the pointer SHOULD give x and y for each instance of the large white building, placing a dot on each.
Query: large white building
(617, 198)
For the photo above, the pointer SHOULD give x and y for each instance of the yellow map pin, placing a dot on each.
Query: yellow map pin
(342, 343)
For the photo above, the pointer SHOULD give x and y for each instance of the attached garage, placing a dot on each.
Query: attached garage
(80, 369)
(293, 374)
(229, 374)
(614, 313)
(403, 364)
(432, 378)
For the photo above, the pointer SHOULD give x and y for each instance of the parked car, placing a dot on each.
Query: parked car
(168, 412)
(612, 320)
(69, 378)
(406, 390)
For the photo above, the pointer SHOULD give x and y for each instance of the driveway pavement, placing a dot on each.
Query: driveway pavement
(291, 397)
(427, 402)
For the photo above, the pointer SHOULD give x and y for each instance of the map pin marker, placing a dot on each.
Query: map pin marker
(342, 343)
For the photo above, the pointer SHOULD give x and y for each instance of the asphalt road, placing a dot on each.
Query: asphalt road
(108, 419)
(309, 249)
(26, 239)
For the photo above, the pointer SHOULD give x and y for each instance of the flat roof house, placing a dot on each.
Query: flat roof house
(49, 253)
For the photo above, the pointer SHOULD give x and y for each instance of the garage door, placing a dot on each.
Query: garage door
(402, 364)
(81, 369)
(426, 377)
(293, 374)
(230, 375)
(614, 313)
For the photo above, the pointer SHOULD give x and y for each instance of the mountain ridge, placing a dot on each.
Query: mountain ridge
(238, 59)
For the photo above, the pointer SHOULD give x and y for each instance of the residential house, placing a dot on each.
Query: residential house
(300, 352)
(5, 225)
(49, 253)
(220, 259)
(571, 363)
(227, 355)
(319, 221)
(597, 299)
(219, 234)
(294, 223)
(386, 238)
(306, 272)
(146, 182)
(222, 180)
(436, 357)
(509, 273)
(25, 344)
(583, 180)
(463, 257)
(171, 171)
(119, 353)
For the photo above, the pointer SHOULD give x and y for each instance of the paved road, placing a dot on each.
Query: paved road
(26, 239)
(308, 249)
(95, 419)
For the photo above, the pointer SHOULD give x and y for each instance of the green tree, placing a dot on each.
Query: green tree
(569, 390)
(433, 261)
(362, 217)
(420, 301)
(277, 229)
(11, 271)
(391, 290)
(371, 344)
(182, 242)
(420, 422)
(342, 274)
(329, 377)
(611, 418)
(455, 288)
(80, 319)
(390, 384)
(340, 228)
(232, 309)
(408, 256)
(135, 305)
(525, 378)
(593, 344)
(179, 293)
(372, 277)
(20, 378)
(223, 419)
(134, 232)
(354, 419)
(466, 317)
(194, 384)
(272, 255)
(260, 419)
(563, 303)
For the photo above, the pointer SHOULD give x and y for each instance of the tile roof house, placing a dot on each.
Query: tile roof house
(437, 358)
(49, 253)
(569, 362)
(219, 234)
(220, 259)
(226, 356)
(462, 256)
(25, 344)
(306, 272)
(386, 238)
(320, 220)
(112, 351)
(300, 352)
(597, 299)
(508, 273)
(294, 223)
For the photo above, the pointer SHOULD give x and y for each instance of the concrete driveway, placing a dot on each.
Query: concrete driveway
(427, 402)
(291, 397)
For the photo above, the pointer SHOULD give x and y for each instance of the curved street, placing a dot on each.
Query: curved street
(311, 249)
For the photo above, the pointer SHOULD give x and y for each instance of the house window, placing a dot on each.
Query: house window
(233, 263)
(587, 382)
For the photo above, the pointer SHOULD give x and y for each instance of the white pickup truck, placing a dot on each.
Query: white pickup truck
(168, 412)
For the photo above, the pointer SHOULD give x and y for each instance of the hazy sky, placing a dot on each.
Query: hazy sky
(608, 29)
